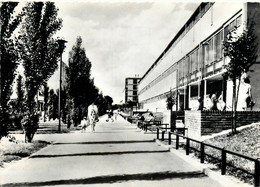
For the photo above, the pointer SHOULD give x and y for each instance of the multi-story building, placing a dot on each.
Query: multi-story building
(192, 65)
(131, 89)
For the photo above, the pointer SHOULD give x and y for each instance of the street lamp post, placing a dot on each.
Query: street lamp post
(61, 44)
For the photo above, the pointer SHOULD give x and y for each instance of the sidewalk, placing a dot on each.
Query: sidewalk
(117, 154)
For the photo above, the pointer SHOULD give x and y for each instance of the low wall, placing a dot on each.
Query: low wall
(201, 123)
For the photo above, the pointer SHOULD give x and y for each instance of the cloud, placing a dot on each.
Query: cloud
(121, 39)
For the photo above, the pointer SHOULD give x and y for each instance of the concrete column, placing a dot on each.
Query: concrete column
(199, 84)
(205, 90)
(184, 103)
(189, 96)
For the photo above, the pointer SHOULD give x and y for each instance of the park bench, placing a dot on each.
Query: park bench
(179, 127)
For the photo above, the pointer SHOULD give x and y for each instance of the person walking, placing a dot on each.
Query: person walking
(84, 124)
(109, 115)
(92, 116)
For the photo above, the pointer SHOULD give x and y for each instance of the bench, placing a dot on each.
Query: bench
(180, 127)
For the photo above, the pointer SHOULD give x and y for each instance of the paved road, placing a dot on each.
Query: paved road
(117, 154)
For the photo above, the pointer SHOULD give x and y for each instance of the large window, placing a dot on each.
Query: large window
(194, 61)
(130, 81)
(209, 53)
(218, 52)
(200, 57)
(186, 66)
(180, 69)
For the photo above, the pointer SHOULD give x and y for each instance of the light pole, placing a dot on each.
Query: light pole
(61, 44)
(0, 55)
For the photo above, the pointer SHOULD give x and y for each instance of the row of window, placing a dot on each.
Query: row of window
(208, 52)
(131, 93)
(134, 99)
(131, 81)
(203, 9)
(131, 87)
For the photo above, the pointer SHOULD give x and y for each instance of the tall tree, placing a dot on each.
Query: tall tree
(81, 87)
(39, 55)
(242, 52)
(9, 60)
(109, 101)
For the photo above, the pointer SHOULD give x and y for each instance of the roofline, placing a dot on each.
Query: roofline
(174, 39)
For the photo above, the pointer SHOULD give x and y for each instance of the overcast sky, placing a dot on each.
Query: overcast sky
(121, 39)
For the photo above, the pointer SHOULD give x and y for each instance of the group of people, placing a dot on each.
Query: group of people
(215, 101)
(112, 115)
(90, 119)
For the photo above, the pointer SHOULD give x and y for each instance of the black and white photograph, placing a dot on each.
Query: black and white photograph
(127, 93)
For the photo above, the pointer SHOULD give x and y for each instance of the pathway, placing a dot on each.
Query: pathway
(117, 154)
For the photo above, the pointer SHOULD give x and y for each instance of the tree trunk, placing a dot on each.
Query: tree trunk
(234, 107)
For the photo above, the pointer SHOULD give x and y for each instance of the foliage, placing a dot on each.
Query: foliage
(9, 60)
(109, 101)
(242, 52)
(170, 100)
(38, 52)
(17, 105)
(15, 150)
(81, 89)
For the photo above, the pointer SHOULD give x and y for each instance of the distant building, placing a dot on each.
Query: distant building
(131, 89)
(192, 64)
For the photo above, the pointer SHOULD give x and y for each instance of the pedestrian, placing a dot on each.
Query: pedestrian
(84, 124)
(116, 112)
(221, 105)
(92, 116)
(150, 117)
(109, 115)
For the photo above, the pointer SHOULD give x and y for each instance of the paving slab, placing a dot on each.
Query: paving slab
(98, 169)
(98, 149)
(117, 154)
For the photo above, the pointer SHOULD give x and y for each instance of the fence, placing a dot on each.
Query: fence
(224, 153)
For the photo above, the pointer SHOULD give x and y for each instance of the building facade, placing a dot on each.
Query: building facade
(192, 65)
(131, 90)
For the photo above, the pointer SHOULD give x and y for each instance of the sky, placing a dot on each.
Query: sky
(121, 39)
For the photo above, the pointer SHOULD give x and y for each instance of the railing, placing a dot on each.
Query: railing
(145, 124)
(224, 153)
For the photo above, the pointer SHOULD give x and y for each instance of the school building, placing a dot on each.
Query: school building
(192, 63)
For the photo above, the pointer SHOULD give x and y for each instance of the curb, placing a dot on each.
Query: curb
(224, 180)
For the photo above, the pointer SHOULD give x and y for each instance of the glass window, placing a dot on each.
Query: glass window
(218, 52)
(239, 20)
(130, 87)
(186, 66)
(129, 98)
(180, 69)
(130, 93)
(130, 81)
(194, 61)
(211, 52)
(200, 57)
(206, 50)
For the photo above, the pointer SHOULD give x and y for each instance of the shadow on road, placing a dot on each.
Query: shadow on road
(115, 178)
